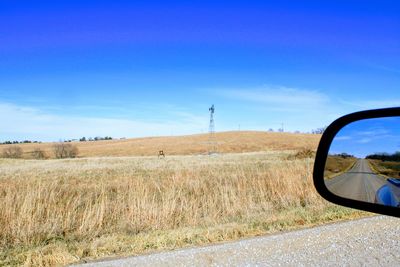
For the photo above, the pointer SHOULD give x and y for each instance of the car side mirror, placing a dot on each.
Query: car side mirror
(358, 161)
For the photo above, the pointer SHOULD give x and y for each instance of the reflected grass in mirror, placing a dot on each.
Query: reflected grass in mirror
(338, 164)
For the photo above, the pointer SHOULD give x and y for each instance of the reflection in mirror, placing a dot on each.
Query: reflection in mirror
(364, 162)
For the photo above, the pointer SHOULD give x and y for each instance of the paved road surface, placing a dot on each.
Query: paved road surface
(359, 183)
(367, 242)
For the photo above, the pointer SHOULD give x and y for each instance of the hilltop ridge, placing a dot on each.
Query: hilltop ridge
(227, 142)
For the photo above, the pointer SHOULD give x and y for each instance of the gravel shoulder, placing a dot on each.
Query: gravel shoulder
(373, 241)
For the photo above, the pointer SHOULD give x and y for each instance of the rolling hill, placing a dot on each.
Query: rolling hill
(227, 142)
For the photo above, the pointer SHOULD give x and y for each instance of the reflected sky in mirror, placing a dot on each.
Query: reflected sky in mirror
(366, 137)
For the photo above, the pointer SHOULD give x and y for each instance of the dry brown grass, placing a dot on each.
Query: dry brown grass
(228, 142)
(303, 154)
(336, 165)
(62, 211)
(390, 169)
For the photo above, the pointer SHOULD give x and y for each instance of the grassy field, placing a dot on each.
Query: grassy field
(336, 165)
(56, 212)
(387, 168)
(227, 142)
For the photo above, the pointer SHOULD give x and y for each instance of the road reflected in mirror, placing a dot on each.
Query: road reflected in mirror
(364, 162)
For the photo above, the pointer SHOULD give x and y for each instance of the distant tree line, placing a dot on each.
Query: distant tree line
(19, 142)
(385, 156)
(342, 155)
(313, 131)
(318, 130)
(60, 150)
(90, 139)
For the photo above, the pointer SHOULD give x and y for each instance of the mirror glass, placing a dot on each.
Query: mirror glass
(364, 162)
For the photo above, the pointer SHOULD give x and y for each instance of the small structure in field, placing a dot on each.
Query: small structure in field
(161, 154)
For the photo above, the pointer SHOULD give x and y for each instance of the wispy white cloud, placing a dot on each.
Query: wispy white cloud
(365, 140)
(298, 109)
(373, 104)
(384, 68)
(343, 138)
(279, 97)
(369, 135)
(373, 132)
(20, 122)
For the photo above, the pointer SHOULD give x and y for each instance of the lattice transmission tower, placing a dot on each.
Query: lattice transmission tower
(212, 140)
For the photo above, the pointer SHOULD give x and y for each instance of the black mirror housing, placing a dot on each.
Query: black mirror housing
(322, 156)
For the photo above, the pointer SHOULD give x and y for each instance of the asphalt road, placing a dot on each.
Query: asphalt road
(367, 242)
(359, 183)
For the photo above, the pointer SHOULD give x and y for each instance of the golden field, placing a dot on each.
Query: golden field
(336, 165)
(56, 212)
(227, 142)
(390, 169)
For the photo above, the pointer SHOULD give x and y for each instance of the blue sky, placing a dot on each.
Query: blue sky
(126, 69)
(366, 137)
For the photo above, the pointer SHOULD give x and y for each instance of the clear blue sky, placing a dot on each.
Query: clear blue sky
(367, 137)
(125, 68)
